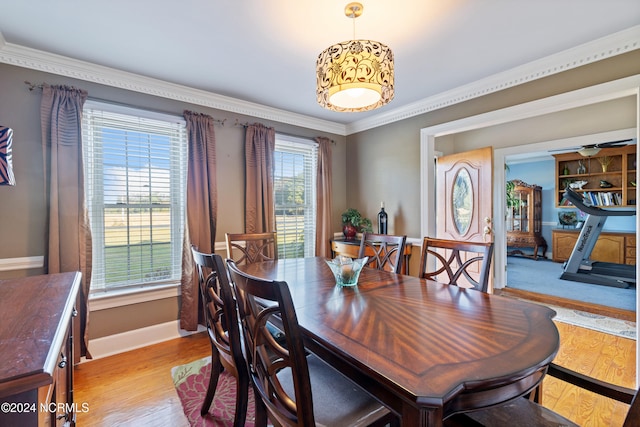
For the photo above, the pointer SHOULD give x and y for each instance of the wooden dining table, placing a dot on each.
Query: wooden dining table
(424, 349)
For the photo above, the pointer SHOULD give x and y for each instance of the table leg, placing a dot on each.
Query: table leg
(421, 417)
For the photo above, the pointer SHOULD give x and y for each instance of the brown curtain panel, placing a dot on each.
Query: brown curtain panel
(68, 232)
(202, 210)
(260, 144)
(324, 197)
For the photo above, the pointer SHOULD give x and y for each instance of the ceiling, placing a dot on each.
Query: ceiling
(264, 52)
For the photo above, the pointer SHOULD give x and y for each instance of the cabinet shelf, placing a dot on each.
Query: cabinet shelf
(597, 189)
(619, 173)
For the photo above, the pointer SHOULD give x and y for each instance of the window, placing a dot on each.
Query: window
(135, 181)
(295, 196)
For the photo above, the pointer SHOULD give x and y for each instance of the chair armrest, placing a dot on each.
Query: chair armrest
(621, 394)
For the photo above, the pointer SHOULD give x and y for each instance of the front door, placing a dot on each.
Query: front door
(465, 196)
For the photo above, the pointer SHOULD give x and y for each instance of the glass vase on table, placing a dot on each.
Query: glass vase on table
(346, 270)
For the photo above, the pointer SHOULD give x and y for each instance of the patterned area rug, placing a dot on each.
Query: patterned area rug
(191, 381)
(609, 325)
(597, 322)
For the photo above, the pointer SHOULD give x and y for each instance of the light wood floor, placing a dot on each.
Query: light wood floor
(135, 388)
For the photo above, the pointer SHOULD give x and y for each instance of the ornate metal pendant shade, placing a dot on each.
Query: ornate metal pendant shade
(355, 75)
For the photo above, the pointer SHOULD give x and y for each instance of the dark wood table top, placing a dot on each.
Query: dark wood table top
(425, 349)
(34, 311)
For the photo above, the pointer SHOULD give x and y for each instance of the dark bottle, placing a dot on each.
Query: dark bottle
(382, 220)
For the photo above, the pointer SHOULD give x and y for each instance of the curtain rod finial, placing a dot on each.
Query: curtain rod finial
(32, 86)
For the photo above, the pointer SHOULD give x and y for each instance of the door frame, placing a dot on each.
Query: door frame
(629, 86)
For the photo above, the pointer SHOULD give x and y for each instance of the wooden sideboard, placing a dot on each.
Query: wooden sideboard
(351, 248)
(616, 247)
(36, 349)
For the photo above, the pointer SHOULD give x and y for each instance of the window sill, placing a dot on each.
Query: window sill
(132, 296)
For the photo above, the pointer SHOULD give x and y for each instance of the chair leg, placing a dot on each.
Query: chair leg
(536, 394)
(261, 410)
(216, 367)
(242, 401)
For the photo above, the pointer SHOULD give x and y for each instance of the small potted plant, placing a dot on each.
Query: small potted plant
(353, 222)
(512, 200)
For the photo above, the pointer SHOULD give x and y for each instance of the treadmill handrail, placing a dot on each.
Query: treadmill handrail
(577, 200)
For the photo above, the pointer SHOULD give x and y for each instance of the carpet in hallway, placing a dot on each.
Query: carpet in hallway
(543, 277)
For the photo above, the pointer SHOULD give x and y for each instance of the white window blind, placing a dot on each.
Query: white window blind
(135, 180)
(296, 162)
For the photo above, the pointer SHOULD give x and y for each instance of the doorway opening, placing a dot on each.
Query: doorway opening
(538, 277)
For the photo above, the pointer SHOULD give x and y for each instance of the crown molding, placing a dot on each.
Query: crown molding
(34, 59)
(606, 47)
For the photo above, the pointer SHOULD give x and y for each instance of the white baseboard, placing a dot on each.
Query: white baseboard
(137, 338)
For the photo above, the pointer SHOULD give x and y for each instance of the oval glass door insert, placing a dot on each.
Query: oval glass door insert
(462, 201)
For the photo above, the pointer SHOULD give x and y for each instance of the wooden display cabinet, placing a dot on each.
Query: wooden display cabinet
(524, 220)
(620, 173)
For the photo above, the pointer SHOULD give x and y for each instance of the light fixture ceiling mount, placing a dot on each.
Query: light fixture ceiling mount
(355, 75)
(593, 149)
(588, 151)
(353, 10)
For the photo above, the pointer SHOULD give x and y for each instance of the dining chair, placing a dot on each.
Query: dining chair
(254, 247)
(385, 252)
(247, 248)
(224, 331)
(530, 413)
(465, 264)
(293, 387)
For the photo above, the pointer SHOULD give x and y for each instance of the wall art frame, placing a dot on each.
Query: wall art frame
(7, 176)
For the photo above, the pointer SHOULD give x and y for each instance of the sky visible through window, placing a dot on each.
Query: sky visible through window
(288, 164)
(136, 165)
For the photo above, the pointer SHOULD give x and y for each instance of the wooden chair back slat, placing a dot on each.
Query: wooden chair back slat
(465, 264)
(386, 252)
(248, 248)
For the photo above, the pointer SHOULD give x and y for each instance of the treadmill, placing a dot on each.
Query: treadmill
(579, 267)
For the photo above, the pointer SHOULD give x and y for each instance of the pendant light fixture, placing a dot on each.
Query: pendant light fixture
(355, 75)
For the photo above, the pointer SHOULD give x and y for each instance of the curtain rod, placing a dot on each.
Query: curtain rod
(237, 123)
(33, 86)
(246, 124)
